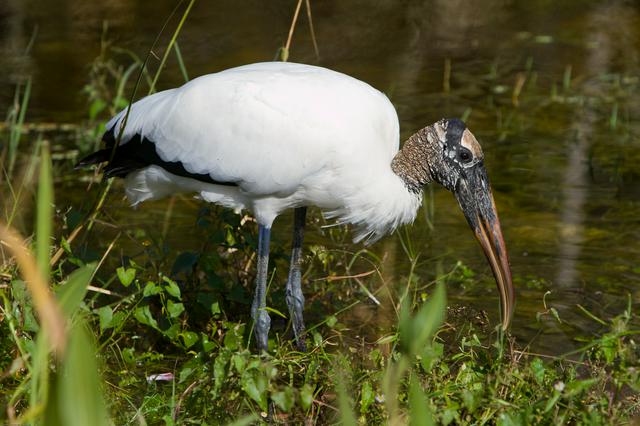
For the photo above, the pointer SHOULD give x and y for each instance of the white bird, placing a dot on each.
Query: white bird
(272, 136)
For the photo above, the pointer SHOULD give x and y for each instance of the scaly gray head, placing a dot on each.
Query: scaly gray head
(448, 153)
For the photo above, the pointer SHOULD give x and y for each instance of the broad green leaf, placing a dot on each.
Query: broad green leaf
(71, 293)
(172, 332)
(470, 400)
(96, 107)
(143, 315)
(416, 332)
(172, 287)
(577, 386)
(151, 289)
(220, 370)
(306, 396)
(207, 345)
(345, 409)
(284, 399)
(245, 421)
(189, 338)
(174, 309)
(254, 383)
(239, 362)
(331, 321)
(126, 276)
(118, 319)
(105, 314)
(419, 410)
(367, 396)
(430, 355)
(538, 369)
(80, 393)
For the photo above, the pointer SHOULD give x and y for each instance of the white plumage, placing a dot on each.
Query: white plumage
(272, 136)
(287, 134)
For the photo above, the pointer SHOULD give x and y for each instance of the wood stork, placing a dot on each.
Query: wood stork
(272, 136)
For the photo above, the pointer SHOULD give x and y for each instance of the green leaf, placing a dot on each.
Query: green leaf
(207, 345)
(80, 396)
(578, 386)
(347, 416)
(118, 319)
(126, 276)
(419, 406)
(284, 399)
(508, 419)
(306, 396)
(44, 213)
(331, 321)
(189, 338)
(96, 107)
(239, 362)
(470, 400)
(105, 314)
(551, 402)
(245, 421)
(71, 293)
(220, 370)
(151, 289)
(416, 332)
(172, 287)
(172, 332)
(449, 415)
(174, 309)
(185, 373)
(143, 315)
(367, 396)
(233, 337)
(430, 355)
(129, 355)
(254, 383)
(538, 369)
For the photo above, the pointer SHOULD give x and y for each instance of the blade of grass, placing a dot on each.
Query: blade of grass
(311, 30)
(170, 47)
(17, 125)
(183, 68)
(44, 213)
(79, 390)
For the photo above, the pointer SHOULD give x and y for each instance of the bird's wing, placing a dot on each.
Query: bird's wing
(266, 127)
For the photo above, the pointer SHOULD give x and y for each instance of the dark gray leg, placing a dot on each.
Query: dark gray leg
(295, 298)
(258, 307)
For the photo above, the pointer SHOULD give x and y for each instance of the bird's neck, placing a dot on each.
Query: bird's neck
(412, 162)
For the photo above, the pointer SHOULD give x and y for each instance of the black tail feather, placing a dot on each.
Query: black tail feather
(137, 153)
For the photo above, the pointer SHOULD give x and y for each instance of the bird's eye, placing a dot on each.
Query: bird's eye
(465, 156)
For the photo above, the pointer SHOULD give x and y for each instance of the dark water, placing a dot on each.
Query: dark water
(562, 152)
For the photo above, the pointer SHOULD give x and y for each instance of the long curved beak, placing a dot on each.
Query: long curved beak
(473, 193)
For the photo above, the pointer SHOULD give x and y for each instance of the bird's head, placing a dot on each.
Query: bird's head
(448, 153)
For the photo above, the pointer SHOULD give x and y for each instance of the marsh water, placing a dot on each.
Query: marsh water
(551, 89)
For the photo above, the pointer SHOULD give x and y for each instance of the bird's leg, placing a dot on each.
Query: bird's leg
(258, 307)
(295, 298)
